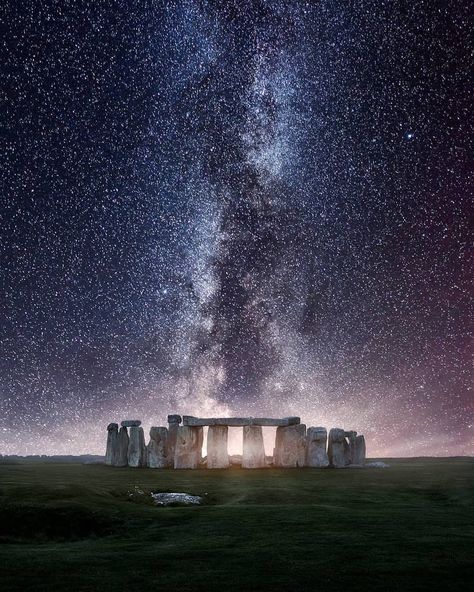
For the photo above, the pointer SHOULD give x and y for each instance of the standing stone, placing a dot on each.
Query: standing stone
(188, 447)
(349, 447)
(217, 456)
(290, 446)
(173, 425)
(359, 452)
(316, 455)
(136, 448)
(112, 444)
(122, 451)
(253, 450)
(337, 448)
(157, 449)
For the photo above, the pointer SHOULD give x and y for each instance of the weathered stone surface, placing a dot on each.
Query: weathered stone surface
(136, 448)
(188, 447)
(122, 450)
(176, 499)
(350, 448)
(217, 455)
(131, 423)
(253, 450)
(173, 425)
(290, 446)
(337, 448)
(316, 455)
(157, 449)
(112, 444)
(358, 457)
(189, 420)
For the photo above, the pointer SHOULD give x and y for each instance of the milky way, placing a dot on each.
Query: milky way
(243, 207)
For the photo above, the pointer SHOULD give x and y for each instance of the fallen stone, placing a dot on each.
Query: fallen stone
(337, 448)
(188, 447)
(136, 448)
(174, 499)
(316, 455)
(157, 449)
(378, 464)
(131, 423)
(217, 455)
(253, 450)
(290, 446)
(112, 444)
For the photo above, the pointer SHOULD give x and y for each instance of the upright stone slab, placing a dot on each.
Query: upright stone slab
(316, 455)
(157, 449)
(349, 447)
(253, 450)
(112, 444)
(359, 451)
(121, 459)
(173, 425)
(187, 454)
(290, 446)
(337, 448)
(217, 455)
(136, 448)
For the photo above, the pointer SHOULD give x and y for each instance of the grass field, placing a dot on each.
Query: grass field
(75, 528)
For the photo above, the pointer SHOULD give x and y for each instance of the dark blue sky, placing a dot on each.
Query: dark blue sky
(236, 207)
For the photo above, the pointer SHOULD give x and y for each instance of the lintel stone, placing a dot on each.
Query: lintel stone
(189, 420)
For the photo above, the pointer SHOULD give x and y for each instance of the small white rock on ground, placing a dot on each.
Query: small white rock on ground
(376, 465)
(167, 499)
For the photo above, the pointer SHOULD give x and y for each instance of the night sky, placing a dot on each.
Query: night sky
(236, 207)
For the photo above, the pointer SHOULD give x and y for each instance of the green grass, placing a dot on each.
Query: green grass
(74, 527)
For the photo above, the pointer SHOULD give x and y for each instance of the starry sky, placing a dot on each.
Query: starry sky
(236, 207)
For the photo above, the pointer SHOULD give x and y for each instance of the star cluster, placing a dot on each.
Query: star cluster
(236, 207)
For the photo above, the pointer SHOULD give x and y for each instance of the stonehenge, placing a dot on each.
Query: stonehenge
(179, 446)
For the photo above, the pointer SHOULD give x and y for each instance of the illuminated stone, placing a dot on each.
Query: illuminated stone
(187, 454)
(316, 440)
(290, 446)
(217, 455)
(253, 456)
(157, 449)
